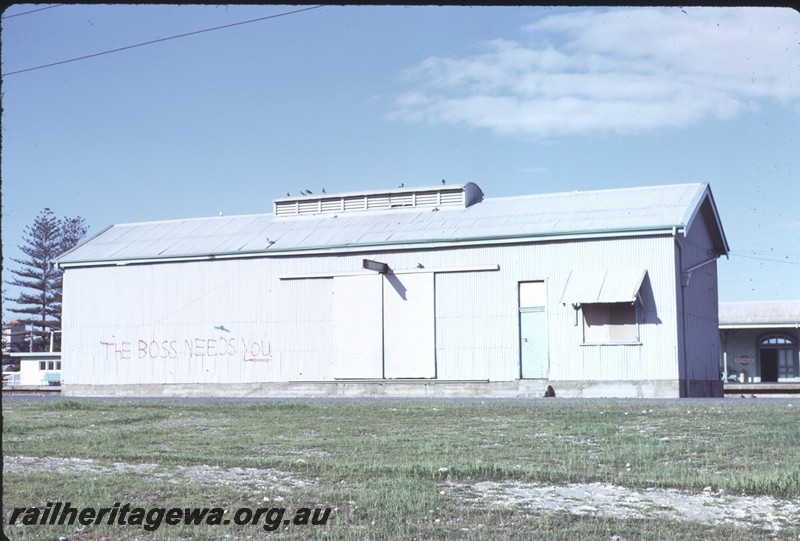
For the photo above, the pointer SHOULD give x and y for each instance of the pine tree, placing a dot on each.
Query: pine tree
(72, 231)
(40, 300)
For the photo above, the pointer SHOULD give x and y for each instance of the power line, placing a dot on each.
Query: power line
(162, 39)
(31, 11)
(767, 259)
(764, 252)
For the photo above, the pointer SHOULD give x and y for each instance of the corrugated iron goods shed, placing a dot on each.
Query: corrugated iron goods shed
(432, 290)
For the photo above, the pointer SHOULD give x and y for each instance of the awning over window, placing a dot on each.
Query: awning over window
(603, 286)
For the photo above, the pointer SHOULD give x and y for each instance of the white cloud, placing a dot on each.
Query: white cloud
(789, 225)
(534, 169)
(619, 71)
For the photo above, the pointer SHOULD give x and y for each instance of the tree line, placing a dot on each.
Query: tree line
(38, 303)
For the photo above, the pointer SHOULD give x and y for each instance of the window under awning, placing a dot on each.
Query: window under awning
(604, 286)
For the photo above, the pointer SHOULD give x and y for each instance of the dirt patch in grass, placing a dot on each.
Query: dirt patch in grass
(255, 478)
(87, 466)
(281, 451)
(597, 499)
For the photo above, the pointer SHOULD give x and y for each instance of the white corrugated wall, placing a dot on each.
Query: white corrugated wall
(235, 321)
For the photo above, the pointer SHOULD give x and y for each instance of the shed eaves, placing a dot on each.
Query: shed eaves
(586, 213)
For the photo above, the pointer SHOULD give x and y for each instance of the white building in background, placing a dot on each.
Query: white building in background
(36, 369)
(408, 292)
(760, 341)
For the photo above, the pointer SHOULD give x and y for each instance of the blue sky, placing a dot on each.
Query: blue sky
(519, 100)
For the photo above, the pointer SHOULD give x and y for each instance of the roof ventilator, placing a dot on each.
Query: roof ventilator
(459, 196)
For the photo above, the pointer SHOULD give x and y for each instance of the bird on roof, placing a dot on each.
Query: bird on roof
(308, 192)
(303, 192)
(442, 181)
(323, 190)
(402, 184)
(288, 194)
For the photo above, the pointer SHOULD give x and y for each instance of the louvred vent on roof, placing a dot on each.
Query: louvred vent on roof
(460, 196)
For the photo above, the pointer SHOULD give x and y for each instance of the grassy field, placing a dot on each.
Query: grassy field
(534, 469)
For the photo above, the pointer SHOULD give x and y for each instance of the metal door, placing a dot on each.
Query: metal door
(409, 349)
(533, 343)
(357, 327)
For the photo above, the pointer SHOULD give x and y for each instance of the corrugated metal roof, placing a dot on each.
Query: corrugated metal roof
(759, 313)
(605, 286)
(586, 213)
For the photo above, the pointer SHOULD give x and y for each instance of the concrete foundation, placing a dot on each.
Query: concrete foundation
(399, 388)
(354, 388)
(617, 389)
